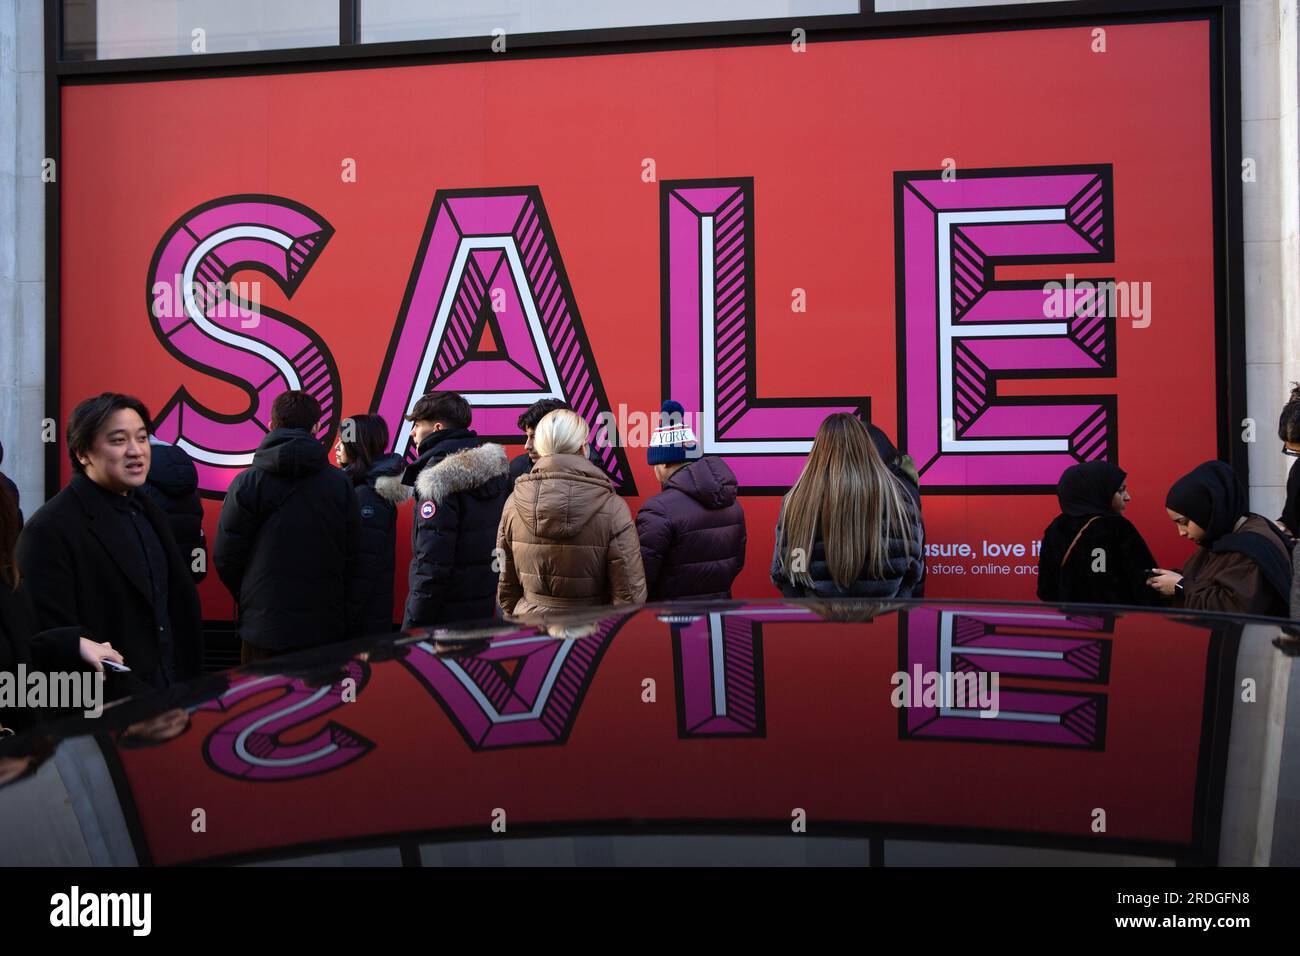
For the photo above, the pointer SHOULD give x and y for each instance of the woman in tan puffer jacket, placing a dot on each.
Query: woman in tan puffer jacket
(565, 539)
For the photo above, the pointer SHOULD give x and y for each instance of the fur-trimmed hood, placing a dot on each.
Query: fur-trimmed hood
(385, 476)
(462, 471)
(390, 488)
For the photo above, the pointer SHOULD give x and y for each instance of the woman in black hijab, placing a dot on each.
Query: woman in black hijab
(1091, 553)
(1243, 561)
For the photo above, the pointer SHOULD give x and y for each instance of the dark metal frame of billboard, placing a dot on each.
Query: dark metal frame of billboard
(1225, 122)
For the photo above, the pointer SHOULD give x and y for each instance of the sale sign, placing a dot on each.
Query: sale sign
(998, 247)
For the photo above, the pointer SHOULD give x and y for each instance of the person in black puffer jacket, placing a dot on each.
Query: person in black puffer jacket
(173, 484)
(288, 540)
(377, 478)
(693, 532)
(848, 527)
(461, 484)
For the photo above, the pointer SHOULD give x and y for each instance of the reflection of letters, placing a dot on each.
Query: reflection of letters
(250, 345)
(1031, 644)
(708, 339)
(718, 666)
(520, 691)
(249, 745)
(489, 313)
(962, 330)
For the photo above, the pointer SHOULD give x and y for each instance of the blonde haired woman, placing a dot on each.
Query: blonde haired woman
(566, 539)
(848, 527)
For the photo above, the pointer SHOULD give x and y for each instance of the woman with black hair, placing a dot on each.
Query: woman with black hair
(362, 452)
(1288, 429)
(1091, 553)
(1243, 561)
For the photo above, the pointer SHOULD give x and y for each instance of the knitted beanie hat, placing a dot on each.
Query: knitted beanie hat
(673, 440)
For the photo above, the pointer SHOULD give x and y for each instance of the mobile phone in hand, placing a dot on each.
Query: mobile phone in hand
(115, 666)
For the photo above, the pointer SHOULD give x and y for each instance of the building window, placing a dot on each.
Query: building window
(117, 29)
(388, 20)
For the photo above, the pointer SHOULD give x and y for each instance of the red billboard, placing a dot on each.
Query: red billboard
(961, 237)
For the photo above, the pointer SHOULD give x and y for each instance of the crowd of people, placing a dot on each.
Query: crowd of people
(1092, 554)
(104, 575)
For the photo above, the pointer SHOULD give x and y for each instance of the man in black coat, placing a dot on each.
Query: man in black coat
(461, 484)
(173, 485)
(62, 649)
(287, 539)
(101, 556)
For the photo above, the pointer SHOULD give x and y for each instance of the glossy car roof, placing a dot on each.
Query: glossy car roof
(1117, 737)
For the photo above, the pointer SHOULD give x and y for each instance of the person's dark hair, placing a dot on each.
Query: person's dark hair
(370, 441)
(539, 410)
(93, 414)
(295, 409)
(446, 407)
(1288, 425)
(9, 529)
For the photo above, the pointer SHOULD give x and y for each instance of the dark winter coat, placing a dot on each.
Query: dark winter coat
(287, 546)
(379, 492)
(78, 570)
(1110, 563)
(905, 564)
(174, 487)
(461, 484)
(519, 465)
(53, 650)
(567, 541)
(693, 533)
(1242, 562)
(1234, 581)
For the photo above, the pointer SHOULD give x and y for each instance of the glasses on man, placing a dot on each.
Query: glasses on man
(1290, 452)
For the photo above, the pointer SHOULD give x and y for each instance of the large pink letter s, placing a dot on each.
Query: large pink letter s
(261, 351)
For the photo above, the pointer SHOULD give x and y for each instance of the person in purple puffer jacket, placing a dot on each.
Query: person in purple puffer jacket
(693, 532)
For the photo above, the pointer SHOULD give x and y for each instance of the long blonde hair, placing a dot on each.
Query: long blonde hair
(849, 497)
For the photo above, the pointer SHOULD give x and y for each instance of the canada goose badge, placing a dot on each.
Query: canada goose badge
(427, 509)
